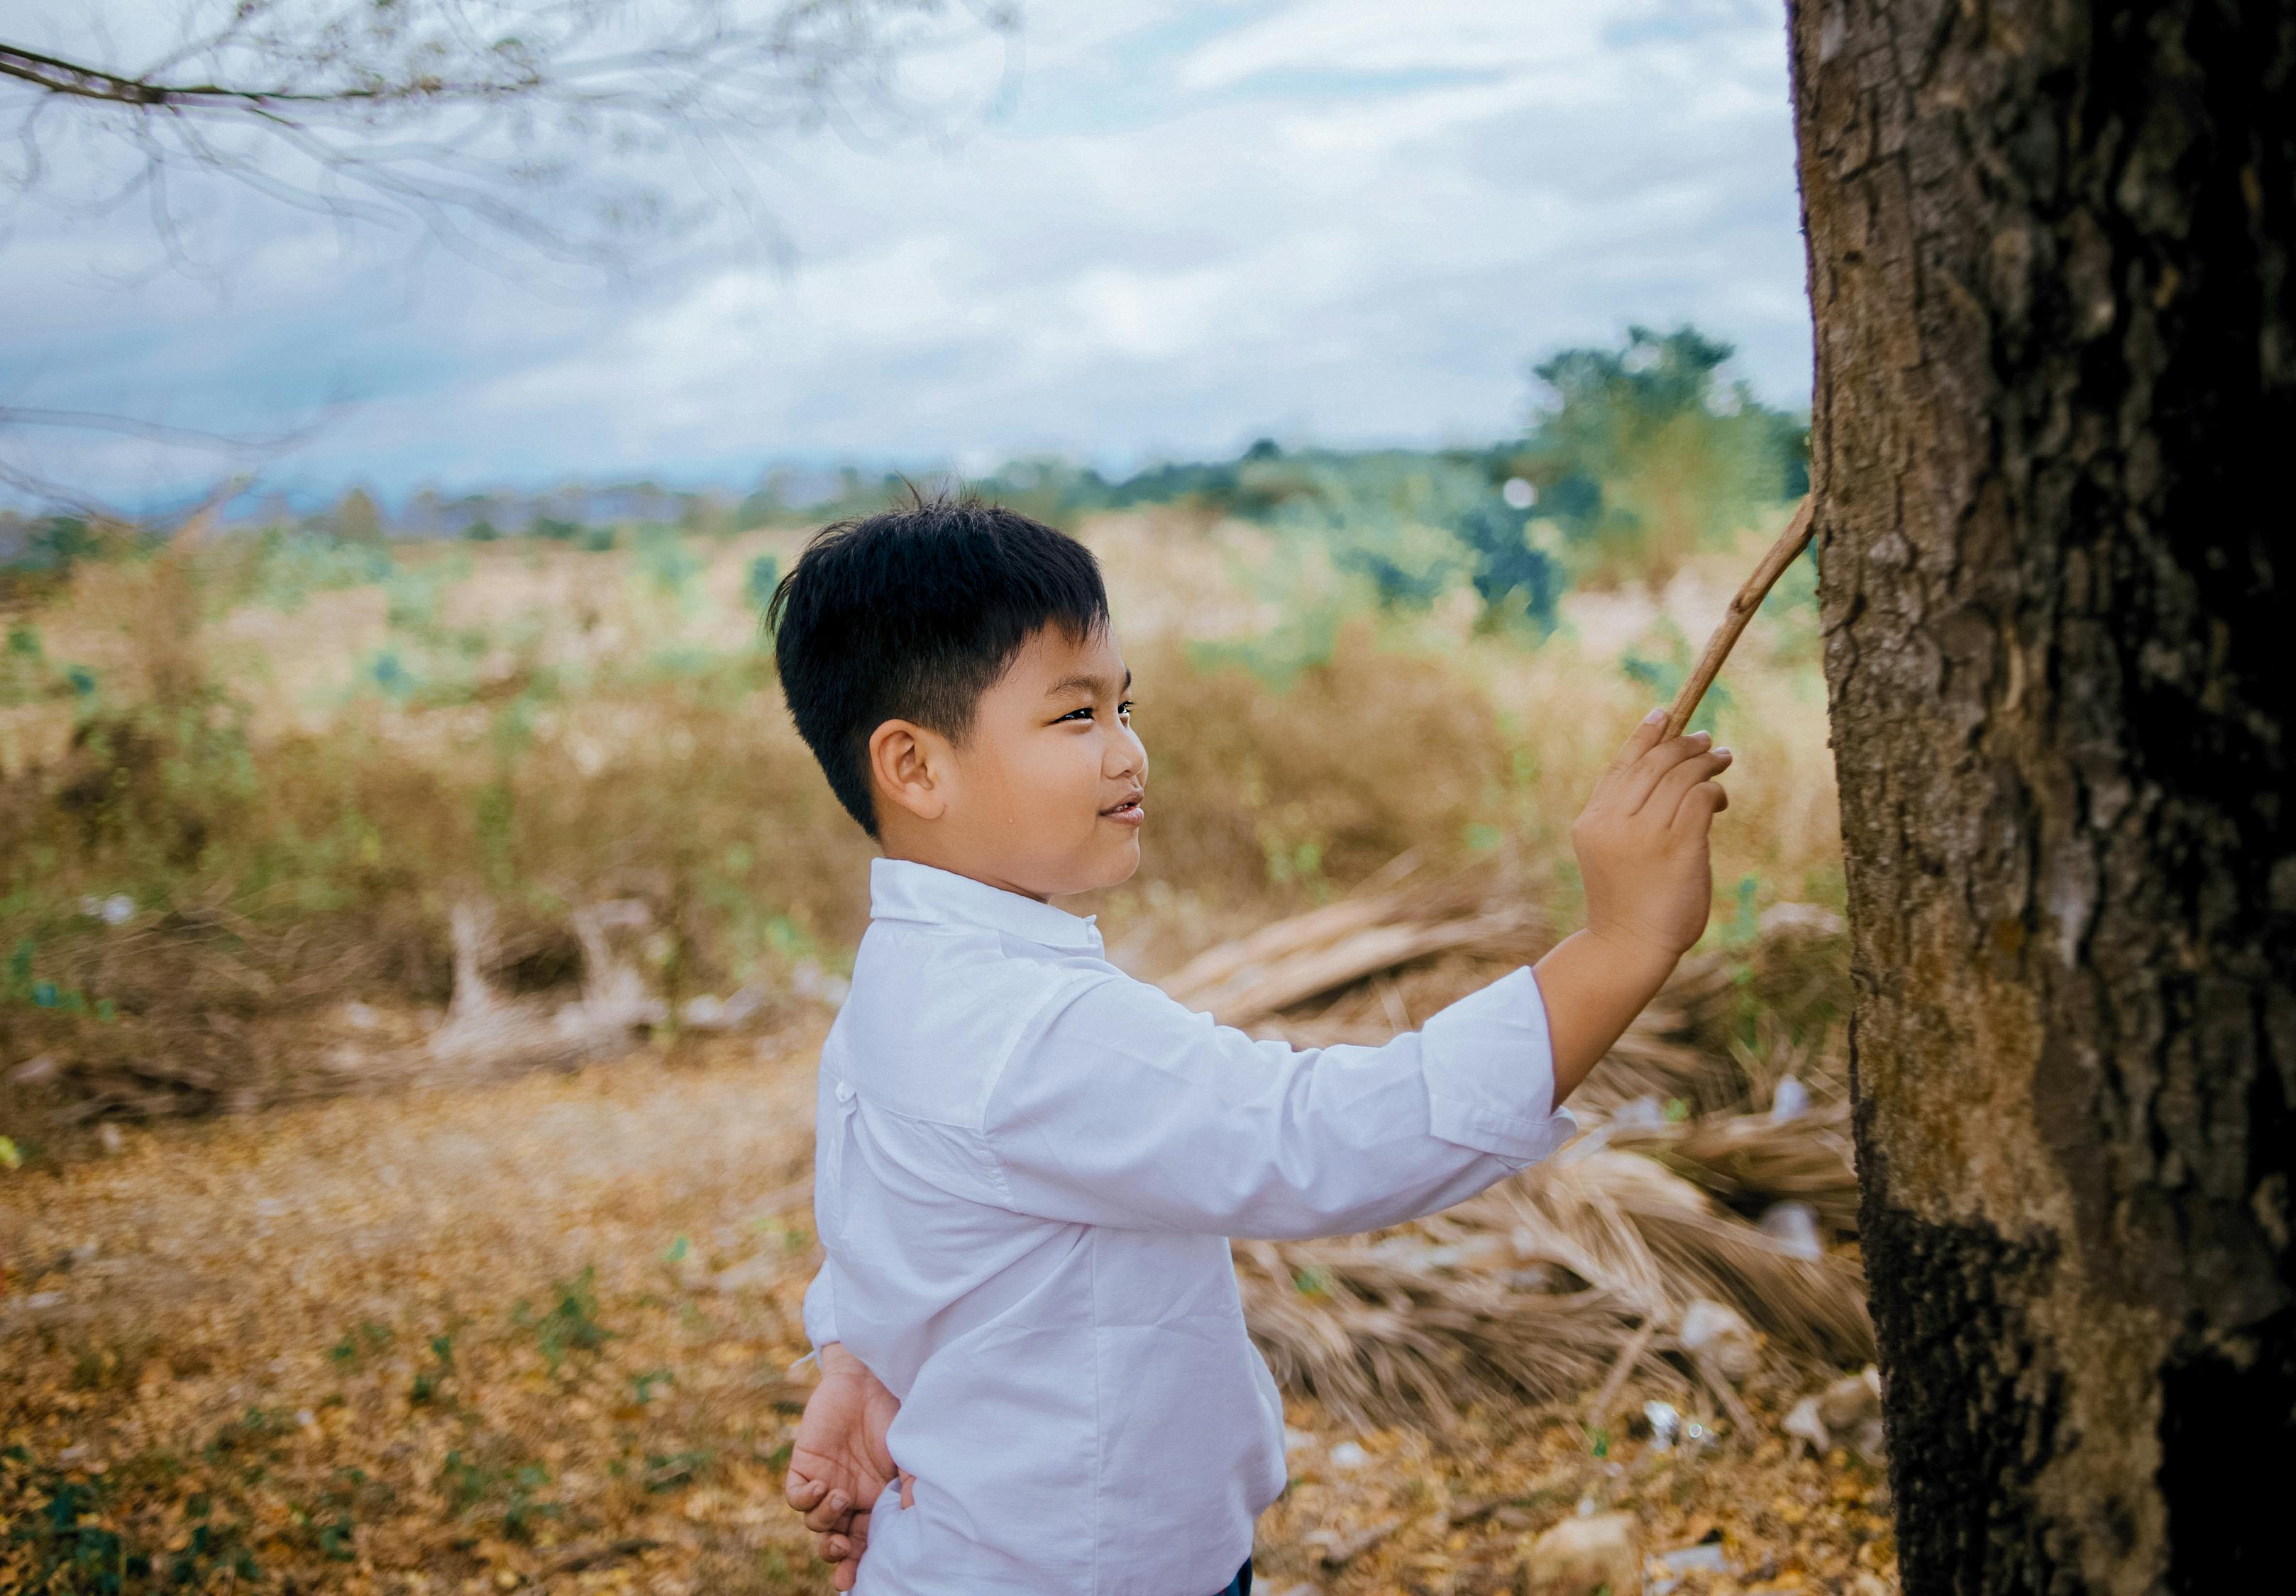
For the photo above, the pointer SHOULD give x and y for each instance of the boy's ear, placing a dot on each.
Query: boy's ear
(909, 766)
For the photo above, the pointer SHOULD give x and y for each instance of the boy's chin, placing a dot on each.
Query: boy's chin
(1125, 865)
(1109, 867)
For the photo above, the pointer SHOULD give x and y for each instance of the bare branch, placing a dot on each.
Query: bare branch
(540, 125)
(509, 132)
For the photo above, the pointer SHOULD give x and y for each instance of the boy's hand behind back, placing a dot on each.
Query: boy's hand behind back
(1641, 848)
(839, 1463)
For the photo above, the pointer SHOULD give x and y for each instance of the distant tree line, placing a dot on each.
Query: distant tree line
(1633, 458)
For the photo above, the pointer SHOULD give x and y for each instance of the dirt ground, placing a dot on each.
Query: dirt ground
(540, 1335)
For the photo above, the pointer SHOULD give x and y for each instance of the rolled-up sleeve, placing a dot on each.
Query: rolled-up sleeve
(1119, 1107)
(820, 1310)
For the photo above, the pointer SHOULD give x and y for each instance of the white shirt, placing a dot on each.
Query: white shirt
(1028, 1165)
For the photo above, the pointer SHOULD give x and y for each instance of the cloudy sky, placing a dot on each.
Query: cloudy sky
(1186, 225)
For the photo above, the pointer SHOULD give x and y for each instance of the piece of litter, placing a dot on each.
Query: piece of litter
(1665, 1423)
(1347, 1454)
(1793, 1226)
(1790, 1100)
(1705, 1558)
(1586, 1554)
(1720, 1335)
(1805, 1424)
(1851, 1409)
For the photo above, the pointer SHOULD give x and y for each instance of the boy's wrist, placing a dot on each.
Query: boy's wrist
(1636, 954)
(1593, 983)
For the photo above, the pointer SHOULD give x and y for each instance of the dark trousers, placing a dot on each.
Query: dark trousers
(1241, 1585)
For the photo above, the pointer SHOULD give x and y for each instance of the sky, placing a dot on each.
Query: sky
(1148, 231)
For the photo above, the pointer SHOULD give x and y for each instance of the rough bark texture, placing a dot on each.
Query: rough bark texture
(2055, 430)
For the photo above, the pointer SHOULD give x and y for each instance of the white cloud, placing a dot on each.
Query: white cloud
(1203, 222)
(1379, 36)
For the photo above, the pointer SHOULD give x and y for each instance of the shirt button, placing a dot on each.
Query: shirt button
(845, 1092)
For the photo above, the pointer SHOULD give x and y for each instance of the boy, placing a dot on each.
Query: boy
(1028, 1164)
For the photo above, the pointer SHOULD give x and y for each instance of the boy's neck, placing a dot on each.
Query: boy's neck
(899, 847)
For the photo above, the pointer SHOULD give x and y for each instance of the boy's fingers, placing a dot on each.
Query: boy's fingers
(1643, 738)
(1700, 803)
(1636, 785)
(802, 1492)
(1666, 796)
(908, 1489)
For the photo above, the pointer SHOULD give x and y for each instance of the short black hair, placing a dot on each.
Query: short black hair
(912, 615)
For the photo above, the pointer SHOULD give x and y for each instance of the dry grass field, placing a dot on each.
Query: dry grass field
(417, 963)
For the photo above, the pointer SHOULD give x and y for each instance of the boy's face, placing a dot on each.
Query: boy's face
(1043, 795)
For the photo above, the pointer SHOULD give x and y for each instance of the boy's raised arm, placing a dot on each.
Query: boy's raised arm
(1124, 1108)
(1131, 1112)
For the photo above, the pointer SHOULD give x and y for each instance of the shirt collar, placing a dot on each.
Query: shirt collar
(905, 889)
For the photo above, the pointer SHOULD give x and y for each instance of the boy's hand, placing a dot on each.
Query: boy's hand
(1641, 842)
(839, 1463)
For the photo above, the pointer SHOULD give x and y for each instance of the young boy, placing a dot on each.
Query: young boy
(1028, 1164)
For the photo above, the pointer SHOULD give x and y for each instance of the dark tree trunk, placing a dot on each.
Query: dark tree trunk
(2053, 435)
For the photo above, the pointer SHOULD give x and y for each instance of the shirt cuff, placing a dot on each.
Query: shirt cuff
(1489, 1069)
(820, 1316)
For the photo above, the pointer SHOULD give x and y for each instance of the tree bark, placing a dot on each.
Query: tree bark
(2055, 416)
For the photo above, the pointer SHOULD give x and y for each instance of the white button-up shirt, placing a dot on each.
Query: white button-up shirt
(1028, 1165)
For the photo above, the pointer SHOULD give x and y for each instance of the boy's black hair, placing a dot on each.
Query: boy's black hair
(912, 615)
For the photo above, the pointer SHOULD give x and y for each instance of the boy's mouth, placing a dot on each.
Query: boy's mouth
(1127, 812)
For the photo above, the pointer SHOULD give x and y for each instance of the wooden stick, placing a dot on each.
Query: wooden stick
(1790, 543)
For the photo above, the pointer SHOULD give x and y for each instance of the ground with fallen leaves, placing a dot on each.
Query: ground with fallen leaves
(540, 1335)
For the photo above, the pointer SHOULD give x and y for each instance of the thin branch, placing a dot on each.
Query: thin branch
(76, 81)
(1748, 599)
(128, 426)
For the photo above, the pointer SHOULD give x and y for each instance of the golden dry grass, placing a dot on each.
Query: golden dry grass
(292, 786)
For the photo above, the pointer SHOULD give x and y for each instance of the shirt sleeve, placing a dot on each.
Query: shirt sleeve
(1119, 1107)
(820, 1310)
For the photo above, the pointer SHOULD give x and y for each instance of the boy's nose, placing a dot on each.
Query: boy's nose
(1130, 755)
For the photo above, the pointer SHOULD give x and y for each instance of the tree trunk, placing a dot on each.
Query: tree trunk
(2055, 416)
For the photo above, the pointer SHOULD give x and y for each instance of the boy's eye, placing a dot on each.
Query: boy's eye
(1085, 713)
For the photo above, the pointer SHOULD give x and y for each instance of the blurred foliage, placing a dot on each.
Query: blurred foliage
(356, 518)
(247, 776)
(1636, 456)
(1642, 454)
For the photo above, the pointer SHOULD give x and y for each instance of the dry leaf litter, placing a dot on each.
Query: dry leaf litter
(494, 1331)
